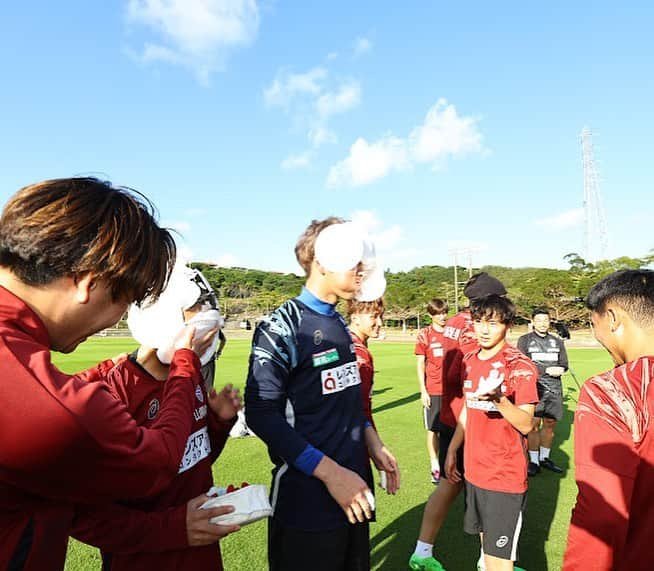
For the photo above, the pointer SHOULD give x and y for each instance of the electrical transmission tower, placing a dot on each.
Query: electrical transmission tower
(595, 234)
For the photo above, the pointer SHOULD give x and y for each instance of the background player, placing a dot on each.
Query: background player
(500, 394)
(550, 357)
(459, 340)
(429, 364)
(365, 323)
(612, 525)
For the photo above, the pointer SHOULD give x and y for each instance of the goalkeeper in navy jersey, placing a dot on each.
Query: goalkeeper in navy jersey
(303, 399)
(548, 353)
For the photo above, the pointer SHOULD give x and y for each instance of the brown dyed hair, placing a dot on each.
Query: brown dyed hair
(437, 305)
(72, 226)
(304, 249)
(375, 307)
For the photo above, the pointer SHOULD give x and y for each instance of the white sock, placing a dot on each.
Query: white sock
(544, 453)
(434, 464)
(423, 549)
(533, 456)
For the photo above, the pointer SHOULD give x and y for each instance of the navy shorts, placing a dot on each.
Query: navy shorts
(433, 413)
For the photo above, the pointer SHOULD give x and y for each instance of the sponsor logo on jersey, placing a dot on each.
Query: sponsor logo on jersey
(352, 348)
(502, 541)
(340, 378)
(198, 394)
(153, 409)
(198, 448)
(317, 337)
(325, 357)
(451, 332)
(467, 384)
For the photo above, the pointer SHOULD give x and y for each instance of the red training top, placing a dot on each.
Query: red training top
(612, 524)
(494, 452)
(64, 439)
(429, 343)
(366, 372)
(459, 336)
(152, 534)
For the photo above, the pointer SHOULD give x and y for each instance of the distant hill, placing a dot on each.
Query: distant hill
(250, 293)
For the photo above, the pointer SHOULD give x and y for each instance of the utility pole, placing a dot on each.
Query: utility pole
(456, 252)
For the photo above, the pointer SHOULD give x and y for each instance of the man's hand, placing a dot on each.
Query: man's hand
(385, 461)
(186, 339)
(425, 398)
(226, 403)
(347, 488)
(451, 470)
(199, 530)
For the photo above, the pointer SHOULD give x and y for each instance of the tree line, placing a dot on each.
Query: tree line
(250, 293)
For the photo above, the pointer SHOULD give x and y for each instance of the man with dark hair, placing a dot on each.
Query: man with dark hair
(500, 394)
(459, 339)
(73, 254)
(429, 364)
(549, 355)
(612, 525)
(303, 399)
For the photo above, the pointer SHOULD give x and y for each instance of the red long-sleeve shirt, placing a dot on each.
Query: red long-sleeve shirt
(367, 374)
(151, 533)
(612, 525)
(64, 439)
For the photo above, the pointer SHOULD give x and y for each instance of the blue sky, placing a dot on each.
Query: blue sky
(439, 125)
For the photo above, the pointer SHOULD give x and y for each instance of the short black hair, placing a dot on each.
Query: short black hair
(632, 290)
(436, 306)
(497, 306)
(540, 311)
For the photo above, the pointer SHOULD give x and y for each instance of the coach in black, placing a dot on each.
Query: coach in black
(548, 353)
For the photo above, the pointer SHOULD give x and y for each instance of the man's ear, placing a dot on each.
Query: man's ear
(616, 317)
(84, 284)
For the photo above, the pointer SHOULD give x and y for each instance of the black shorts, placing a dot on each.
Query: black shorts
(344, 549)
(550, 400)
(446, 433)
(499, 516)
(433, 413)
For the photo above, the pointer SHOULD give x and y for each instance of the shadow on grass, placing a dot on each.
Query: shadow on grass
(392, 546)
(381, 391)
(544, 490)
(396, 403)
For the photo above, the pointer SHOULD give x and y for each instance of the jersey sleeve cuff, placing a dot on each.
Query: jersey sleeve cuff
(308, 460)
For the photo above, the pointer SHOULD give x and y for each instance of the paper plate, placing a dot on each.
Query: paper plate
(250, 504)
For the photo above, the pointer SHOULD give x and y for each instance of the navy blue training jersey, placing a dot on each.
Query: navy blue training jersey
(303, 399)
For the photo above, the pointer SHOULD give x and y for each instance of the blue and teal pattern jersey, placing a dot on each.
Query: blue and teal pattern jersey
(303, 399)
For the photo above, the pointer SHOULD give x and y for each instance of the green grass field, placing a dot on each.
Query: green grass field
(398, 417)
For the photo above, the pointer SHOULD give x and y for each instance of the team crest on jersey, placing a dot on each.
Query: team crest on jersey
(153, 409)
(552, 343)
(317, 337)
(198, 394)
(340, 378)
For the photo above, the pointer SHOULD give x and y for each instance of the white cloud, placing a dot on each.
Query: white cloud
(298, 161)
(347, 96)
(286, 86)
(442, 135)
(368, 162)
(196, 34)
(319, 135)
(362, 46)
(567, 219)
